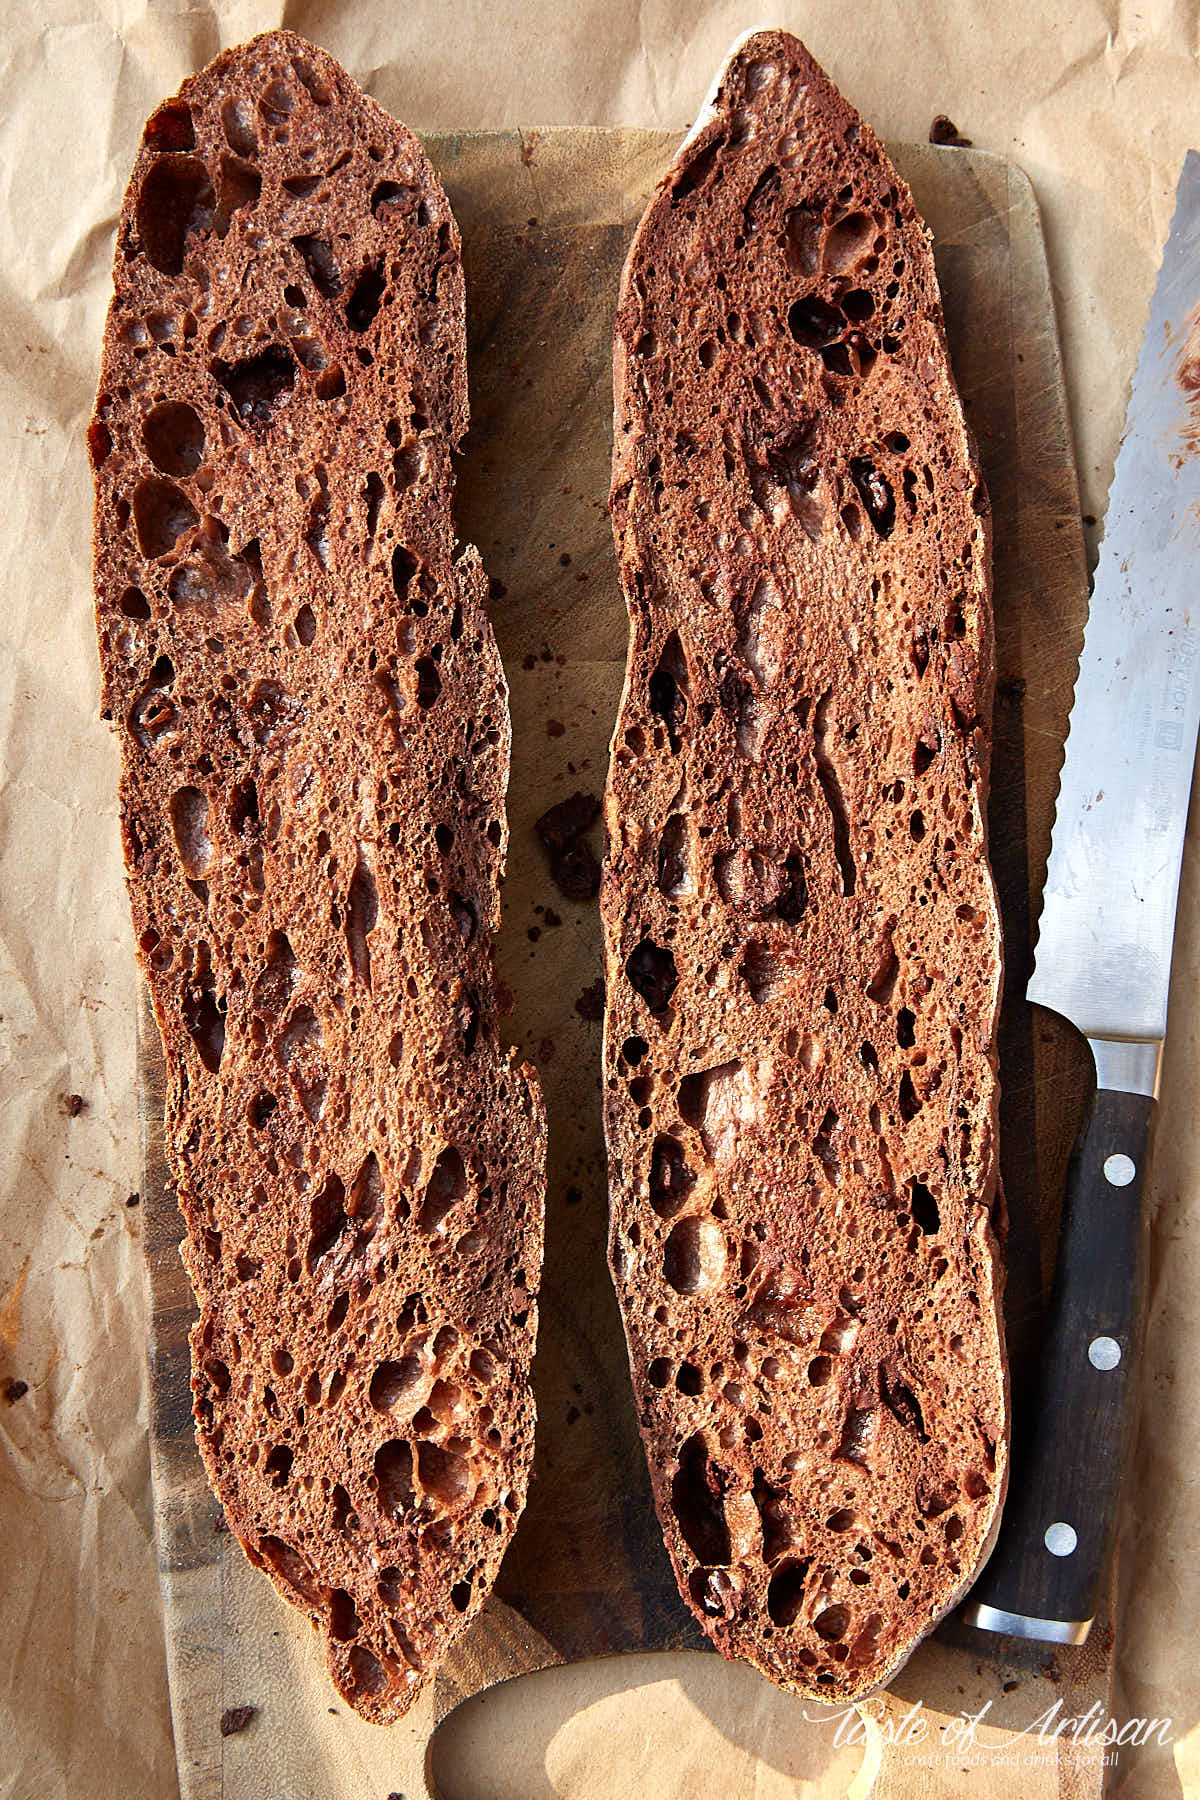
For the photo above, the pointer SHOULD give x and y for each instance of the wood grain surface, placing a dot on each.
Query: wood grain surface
(545, 218)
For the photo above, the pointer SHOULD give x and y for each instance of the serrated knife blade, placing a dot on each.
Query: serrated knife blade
(1103, 961)
(1108, 911)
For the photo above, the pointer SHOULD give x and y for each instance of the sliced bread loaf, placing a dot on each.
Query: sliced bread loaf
(315, 741)
(802, 942)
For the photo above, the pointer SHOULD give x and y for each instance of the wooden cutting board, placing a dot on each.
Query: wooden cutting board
(546, 218)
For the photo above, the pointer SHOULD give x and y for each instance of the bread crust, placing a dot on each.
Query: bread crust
(802, 941)
(314, 730)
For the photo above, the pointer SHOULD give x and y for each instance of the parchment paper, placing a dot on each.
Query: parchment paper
(1099, 104)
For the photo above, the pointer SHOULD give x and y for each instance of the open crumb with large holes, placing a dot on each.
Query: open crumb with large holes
(803, 958)
(314, 729)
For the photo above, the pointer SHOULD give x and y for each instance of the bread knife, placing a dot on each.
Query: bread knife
(1103, 961)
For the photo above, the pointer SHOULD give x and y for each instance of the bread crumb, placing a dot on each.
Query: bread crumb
(590, 1004)
(236, 1718)
(573, 864)
(943, 130)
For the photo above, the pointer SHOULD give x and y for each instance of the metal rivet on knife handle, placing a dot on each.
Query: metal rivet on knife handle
(1119, 1170)
(1104, 1353)
(1060, 1539)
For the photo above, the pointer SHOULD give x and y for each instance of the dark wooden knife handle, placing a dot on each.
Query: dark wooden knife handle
(1056, 1534)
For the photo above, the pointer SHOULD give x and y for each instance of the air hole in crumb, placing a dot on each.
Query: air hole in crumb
(813, 322)
(831, 787)
(278, 1466)
(174, 438)
(902, 1403)
(785, 1593)
(689, 1380)
(170, 128)
(447, 1187)
(673, 857)
(362, 915)
(393, 1380)
(696, 1502)
(330, 384)
(238, 186)
(394, 1476)
(429, 682)
(291, 1566)
(698, 172)
(848, 243)
(876, 494)
(366, 298)
(858, 305)
(322, 267)
(909, 1102)
(832, 1623)
(924, 1208)
(443, 1474)
(404, 567)
(652, 973)
(161, 514)
(175, 200)
(189, 821)
(390, 198)
(204, 1017)
(671, 1180)
(238, 126)
(694, 1255)
(344, 1622)
(367, 1673)
(882, 985)
(134, 604)
(261, 1109)
(308, 78)
(668, 689)
(258, 385)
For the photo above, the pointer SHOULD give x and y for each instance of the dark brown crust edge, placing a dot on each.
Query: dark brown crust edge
(698, 152)
(288, 628)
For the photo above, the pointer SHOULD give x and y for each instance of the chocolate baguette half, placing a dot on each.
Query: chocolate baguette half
(802, 940)
(314, 733)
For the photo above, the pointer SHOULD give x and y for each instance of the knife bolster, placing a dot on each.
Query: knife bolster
(1127, 1065)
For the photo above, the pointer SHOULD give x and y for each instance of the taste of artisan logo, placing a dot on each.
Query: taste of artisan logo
(931, 1737)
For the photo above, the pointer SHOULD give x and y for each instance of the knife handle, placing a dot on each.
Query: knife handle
(1056, 1534)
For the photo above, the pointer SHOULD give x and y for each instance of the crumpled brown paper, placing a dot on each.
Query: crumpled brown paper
(1098, 104)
